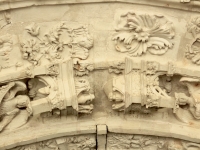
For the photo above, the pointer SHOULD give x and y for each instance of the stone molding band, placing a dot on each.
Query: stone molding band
(189, 5)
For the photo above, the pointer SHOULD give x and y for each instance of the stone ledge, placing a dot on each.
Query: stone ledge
(12, 4)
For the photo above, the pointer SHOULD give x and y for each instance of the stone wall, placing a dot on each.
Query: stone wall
(99, 74)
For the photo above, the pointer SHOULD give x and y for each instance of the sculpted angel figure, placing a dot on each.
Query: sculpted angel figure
(14, 106)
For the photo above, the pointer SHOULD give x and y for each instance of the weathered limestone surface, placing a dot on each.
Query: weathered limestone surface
(105, 74)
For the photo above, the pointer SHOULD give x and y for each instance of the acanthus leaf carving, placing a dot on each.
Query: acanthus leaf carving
(142, 33)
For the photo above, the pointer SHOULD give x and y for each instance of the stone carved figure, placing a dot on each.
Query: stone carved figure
(11, 105)
(84, 96)
(35, 89)
(137, 90)
(115, 90)
(194, 100)
(137, 34)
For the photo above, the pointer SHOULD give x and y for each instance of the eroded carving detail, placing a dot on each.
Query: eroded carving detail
(87, 142)
(117, 67)
(51, 45)
(11, 105)
(84, 96)
(122, 141)
(6, 44)
(83, 68)
(145, 142)
(192, 52)
(194, 100)
(194, 26)
(137, 34)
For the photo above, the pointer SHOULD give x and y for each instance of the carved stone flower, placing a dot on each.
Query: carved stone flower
(142, 33)
(142, 37)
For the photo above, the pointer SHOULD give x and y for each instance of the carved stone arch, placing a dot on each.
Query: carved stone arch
(99, 74)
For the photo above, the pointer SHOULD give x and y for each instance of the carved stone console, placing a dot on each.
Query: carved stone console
(104, 74)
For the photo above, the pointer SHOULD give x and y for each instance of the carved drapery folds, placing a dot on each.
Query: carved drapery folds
(138, 33)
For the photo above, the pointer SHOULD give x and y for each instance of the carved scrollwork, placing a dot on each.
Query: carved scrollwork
(51, 45)
(136, 34)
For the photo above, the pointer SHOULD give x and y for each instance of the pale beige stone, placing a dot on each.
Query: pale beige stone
(105, 74)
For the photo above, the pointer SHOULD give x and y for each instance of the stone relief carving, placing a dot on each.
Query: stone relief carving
(194, 26)
(192, 52)
(11, 105)
(138, 86)
(138, 33)
(84, 96)
(192, 48)
(146, 142)
(50, 87)
(6, 44)
(193, 101)
(83, 68)
(57, 83)
(81, 142)
(139, 89)
(51, 45)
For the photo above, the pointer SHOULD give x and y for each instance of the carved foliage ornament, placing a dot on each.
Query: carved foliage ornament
(194, 26)
(192, 51)
(137, 34)
(50, 45)
(145, 142)
(87, 142)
